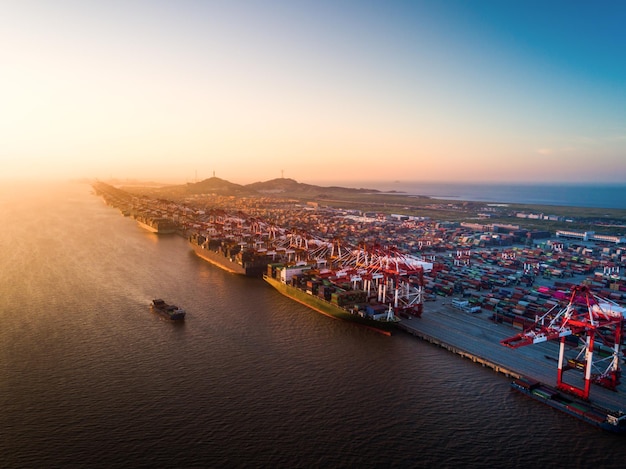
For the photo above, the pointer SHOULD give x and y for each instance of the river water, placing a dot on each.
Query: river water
(90, 377)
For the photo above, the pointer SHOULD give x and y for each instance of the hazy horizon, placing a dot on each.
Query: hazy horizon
(352, 183)
(437, 91)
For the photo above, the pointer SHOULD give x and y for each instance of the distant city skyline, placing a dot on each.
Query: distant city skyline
(449, 90)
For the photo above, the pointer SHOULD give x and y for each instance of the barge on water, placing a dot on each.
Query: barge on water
(171, 312)
(347, 305)
(609, 420)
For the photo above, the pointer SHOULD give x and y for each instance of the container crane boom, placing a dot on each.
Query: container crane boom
(586, 316)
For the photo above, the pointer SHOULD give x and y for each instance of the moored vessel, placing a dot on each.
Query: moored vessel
(156, 225)
(610, 420)
(229, 256)
(346, 305)
(171, 312)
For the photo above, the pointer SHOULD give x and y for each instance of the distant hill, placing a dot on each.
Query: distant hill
(281, 187)
(215, 185)
(290, 186)
(212, 185)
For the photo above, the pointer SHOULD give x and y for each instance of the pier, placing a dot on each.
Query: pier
(459, 351)
(477, 338)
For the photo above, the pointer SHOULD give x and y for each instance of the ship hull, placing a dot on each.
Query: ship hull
(157, 230)
(165, 315)
(147, 227)
(220, 260)
(166, 311)
(329, 309)
(585, 411)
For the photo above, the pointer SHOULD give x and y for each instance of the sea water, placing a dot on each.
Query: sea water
(592, 195)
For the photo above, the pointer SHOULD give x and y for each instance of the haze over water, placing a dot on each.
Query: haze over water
(89, 377)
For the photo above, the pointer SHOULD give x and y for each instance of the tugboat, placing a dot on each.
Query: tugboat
(171, 312)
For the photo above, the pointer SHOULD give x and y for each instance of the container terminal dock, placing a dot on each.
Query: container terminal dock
(477, 338)
(533, 369)
(486, 299)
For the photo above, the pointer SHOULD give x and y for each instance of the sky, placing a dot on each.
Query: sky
(442, 90)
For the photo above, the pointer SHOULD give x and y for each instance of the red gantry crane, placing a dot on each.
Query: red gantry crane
(402, 275)
(592, 319)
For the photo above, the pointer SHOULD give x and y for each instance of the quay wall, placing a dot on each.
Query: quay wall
(459, 351)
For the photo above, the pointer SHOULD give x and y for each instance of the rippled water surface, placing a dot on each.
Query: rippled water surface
(89, 377)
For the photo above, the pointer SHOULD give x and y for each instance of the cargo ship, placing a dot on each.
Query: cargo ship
(348, 305)
(171, 312)
(609, 420)
(156, 225)
(229, 256)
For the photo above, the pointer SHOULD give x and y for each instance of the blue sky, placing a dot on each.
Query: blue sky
(420, 90)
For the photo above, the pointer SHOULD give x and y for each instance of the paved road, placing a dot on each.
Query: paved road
(478, 335)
